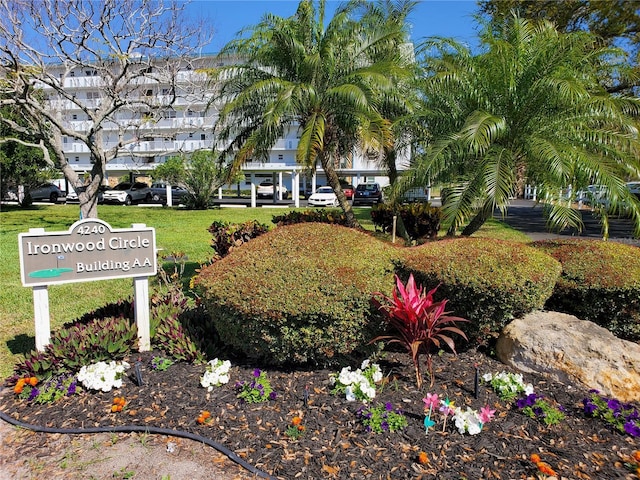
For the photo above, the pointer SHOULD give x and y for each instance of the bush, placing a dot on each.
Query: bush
(488, 282)
(109, 333)
(300, 293)
(336, 217)
(600, 282)
(421, 220)
(227, 236)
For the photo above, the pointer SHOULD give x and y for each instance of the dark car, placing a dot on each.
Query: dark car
(46, 192)
(159, 193)
(367, 194)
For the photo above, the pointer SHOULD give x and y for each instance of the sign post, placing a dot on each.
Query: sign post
(90, 250)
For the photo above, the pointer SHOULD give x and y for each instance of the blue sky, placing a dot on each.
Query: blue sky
(449, 18)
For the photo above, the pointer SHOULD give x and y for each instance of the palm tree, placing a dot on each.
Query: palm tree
(529, 106)
(327, 82)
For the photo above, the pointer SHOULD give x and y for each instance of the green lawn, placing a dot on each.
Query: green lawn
(176, 231)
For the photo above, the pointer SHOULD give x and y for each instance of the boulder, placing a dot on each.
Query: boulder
(572, 351)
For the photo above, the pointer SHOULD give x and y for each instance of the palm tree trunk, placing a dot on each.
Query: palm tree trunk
(334, 182)
(476, 222)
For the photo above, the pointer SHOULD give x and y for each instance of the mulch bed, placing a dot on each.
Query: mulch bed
(335, 444)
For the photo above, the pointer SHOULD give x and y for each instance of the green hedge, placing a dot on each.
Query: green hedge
(487, 281)
(600, 282)
(300, 293)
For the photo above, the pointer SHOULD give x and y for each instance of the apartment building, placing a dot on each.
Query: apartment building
(180, 122)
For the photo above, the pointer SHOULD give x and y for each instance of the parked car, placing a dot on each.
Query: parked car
(46, 192)
(72, 196)
(368, 194)
(634, 188)
(349, 191)
(323, 197)
(159, 193)
(266, 189)
(127, 193)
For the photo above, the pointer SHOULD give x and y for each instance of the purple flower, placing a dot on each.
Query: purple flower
(614, 405)
(34, 393)
(589, 407)
(385, 426)
(72, 388)
(388, 406)
(273, 396)
(632, 429)
(256, 372)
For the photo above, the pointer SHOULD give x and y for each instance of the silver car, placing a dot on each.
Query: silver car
(127, 193)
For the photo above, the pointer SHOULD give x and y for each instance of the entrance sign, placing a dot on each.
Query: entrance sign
(89, 250)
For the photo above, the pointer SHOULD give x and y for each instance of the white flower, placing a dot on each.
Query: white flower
(487, 377)
(216, 374)
(528, 389)
(358, 384)
(102, 376)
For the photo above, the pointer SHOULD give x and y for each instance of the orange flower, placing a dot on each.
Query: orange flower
(535, 458)
(200, 419)
(205, 414)
(636, 455)
(301, 428)
(423, 458)
(33, 381)
(296, 421)
(546, 469)
(114, 408)
(120, 401)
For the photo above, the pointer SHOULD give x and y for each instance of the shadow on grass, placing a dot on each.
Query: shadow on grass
(21, 344)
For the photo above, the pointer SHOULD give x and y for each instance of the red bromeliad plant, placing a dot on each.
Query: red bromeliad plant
(419, 323)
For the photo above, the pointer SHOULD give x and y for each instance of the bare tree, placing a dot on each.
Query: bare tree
(124, 46)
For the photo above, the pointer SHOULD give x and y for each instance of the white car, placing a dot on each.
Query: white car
(323, 197)
(265, 190)
(127, 193)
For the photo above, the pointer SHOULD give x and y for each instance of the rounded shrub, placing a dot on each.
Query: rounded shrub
(600, 282)
(300, 293)
(489, 282)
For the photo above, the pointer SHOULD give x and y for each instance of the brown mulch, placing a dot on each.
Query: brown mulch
(335, 444)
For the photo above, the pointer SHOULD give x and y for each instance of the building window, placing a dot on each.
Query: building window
(203, 136)
(280, 157)
(190, 135)
(93, 95)
(77, 159)
(148, 93)
(72, 73)
(74, 116)
(166, 91)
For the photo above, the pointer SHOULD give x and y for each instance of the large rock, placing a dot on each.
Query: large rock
(572, 351)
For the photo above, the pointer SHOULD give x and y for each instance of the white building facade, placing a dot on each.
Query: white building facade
(180, 124)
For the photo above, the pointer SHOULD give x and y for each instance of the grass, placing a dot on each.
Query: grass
(176, 231)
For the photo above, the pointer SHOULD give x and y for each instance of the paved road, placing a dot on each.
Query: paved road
(526, 216)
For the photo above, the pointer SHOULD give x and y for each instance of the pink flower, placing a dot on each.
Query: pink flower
(431, 401)
(486, 414)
